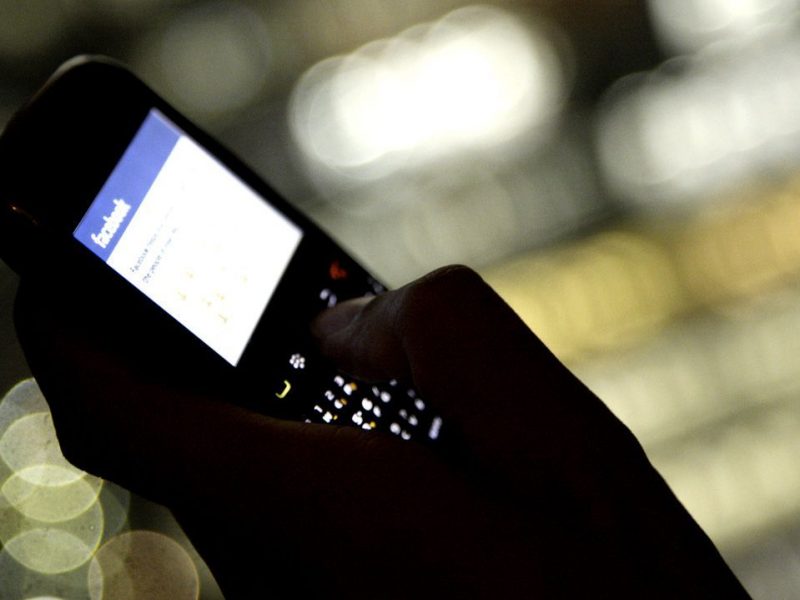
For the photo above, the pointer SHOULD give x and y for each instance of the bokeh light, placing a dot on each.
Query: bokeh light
(476, 78)
(478, 211)
(49, 499)
(48, 547)
(18, 582)
(54, 518)
(688, 25)
(143, 565)
(744, 248)
(742, 480)
(29, 446)
(212, 59)
(609, 291)
(50, 517)
(704, 125)
(703, 372)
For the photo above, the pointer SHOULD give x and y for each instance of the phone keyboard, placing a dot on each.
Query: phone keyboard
(389, 407)
(326, 395)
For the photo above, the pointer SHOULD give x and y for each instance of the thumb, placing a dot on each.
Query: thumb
(451, 336)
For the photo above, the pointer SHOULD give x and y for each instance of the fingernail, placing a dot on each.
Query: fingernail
(337, 318)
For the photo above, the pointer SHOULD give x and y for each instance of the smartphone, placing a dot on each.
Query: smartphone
(195, 265)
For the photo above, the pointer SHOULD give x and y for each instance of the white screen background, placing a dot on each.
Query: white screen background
(207, 249)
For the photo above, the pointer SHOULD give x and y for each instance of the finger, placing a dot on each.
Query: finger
(361, 337)
(469, 353)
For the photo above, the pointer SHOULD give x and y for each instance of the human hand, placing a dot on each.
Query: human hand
(542, 492)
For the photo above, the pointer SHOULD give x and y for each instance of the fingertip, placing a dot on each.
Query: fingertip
(334, 320)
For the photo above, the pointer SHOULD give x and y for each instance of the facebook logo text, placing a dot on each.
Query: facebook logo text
(111, 223)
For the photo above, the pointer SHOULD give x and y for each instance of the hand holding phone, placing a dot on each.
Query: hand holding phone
(549, 495)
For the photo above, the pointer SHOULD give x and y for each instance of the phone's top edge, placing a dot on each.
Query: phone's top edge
(84, 62)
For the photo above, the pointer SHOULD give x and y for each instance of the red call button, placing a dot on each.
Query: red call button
(336, 271)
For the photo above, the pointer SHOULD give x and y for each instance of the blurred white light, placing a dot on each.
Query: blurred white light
(116, 503)
(143, 565)
(474, 79)
(50, 518)
(702, 126)
(687, 25)
(17, 582)
(742, 480)
(48, 550)
(29, 447)
(23, 399)
(212, 59)
(704, 372)
(461, 221)
(51, 503)
(51, 547)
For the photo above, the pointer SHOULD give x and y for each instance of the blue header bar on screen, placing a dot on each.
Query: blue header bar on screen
(112, 210)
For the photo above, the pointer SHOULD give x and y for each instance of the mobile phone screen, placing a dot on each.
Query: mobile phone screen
(210, 251)
(190, 235)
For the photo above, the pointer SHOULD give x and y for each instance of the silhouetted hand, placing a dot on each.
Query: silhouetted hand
(542, 492)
